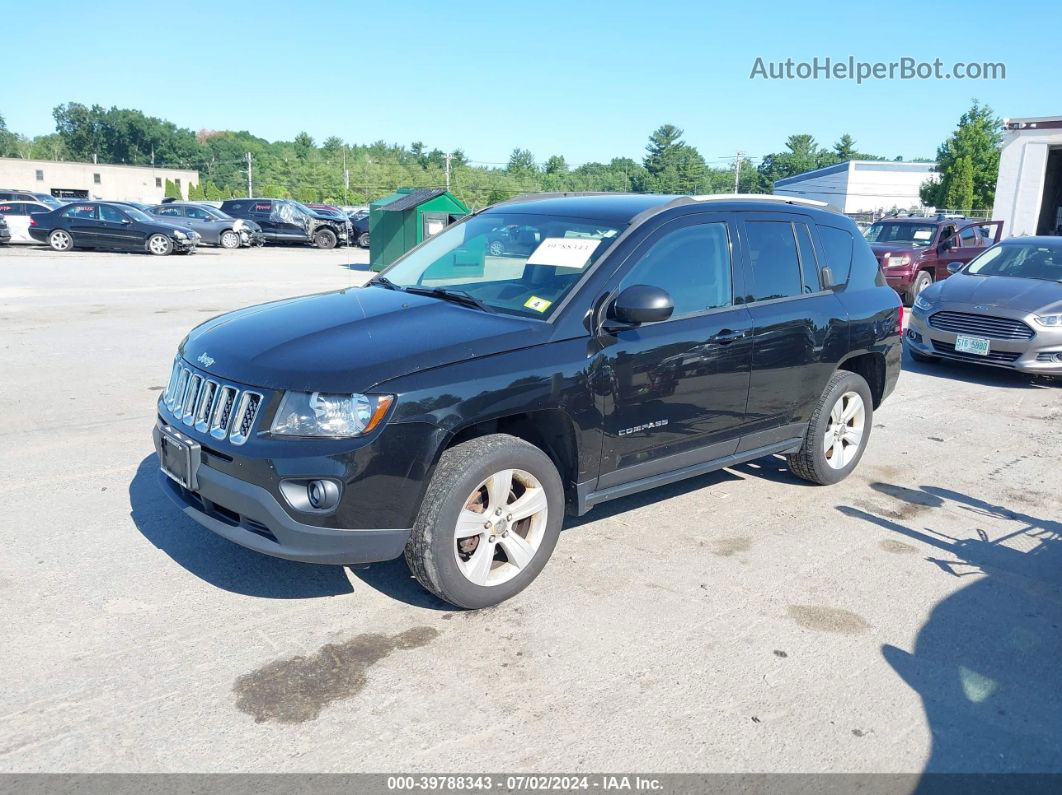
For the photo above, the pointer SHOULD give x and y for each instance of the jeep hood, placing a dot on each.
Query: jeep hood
(349, 340)
(1022, 295)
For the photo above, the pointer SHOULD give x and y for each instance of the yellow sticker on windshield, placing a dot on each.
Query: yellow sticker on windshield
(538, 304)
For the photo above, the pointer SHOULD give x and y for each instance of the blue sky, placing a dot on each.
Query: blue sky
(589, 80)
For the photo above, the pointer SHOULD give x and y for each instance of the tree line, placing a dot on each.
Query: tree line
(338, 172)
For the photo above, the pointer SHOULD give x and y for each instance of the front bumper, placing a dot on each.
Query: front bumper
(251, 238)
(899, 279)
(1040, 355)
(249, 515)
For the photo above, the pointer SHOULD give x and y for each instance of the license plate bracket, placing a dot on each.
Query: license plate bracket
(978, 346)
(179, 458)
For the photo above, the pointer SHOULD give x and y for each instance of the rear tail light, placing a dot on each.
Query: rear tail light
(899, 320)
(33, 221)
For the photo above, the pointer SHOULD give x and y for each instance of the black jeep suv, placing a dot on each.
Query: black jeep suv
(287, 221)
(460, 402)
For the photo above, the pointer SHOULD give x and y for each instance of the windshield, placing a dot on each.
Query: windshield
(906, 234)
(213, 212)
(518, 264)
(49, 201)
(138, 215)
(1020, 260)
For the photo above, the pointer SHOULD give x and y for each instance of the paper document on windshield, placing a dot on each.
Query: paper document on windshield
(564, 252)
(923, 234)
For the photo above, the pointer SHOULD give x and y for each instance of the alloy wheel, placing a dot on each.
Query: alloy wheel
(844, 434)
(501, 527)
(60, 240)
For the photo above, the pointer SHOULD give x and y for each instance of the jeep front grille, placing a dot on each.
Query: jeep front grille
(210, 406)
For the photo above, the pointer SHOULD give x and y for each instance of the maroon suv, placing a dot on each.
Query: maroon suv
(915, 252)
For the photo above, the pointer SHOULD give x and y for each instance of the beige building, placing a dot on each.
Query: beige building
(860, 186)
(93, 180)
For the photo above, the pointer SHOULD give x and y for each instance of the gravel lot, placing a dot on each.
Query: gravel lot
(906, 619)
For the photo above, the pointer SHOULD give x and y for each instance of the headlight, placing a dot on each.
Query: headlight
(237, 225)
(320, 414)
(1051, 321)
(922, 303)
(897, 260)
(177, 233)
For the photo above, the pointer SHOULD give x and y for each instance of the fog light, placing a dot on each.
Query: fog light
(914, 335)
(322, 494)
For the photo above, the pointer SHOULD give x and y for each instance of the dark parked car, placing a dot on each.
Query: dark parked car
(338, 215)
(1003, 309)
(215, 227)
(5, 233)
(915, 252)
(359, 223)
(117, 227)
(7, 194)
(287, 221)
(513, 239)
(455, 406)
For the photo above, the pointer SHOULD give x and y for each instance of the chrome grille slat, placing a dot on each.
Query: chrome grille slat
(984, 325)
(211, 406)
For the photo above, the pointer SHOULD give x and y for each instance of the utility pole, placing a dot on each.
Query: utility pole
(449, 157)
(250, 181)
(737, 171)
(346, 175)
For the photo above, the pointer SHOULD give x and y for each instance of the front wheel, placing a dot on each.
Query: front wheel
(363, 240)
(325, 238)
(488, 523)
(837, 434)
(60, 240)
(922, 281)
(230, 239)
(496, 248)
(160, 245)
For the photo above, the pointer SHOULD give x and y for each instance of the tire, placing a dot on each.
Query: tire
(61, 240)
(921, 282)
(363, 240)
(496, 248)
(921, 357)
(229, 239)
(160, 245)
(460, 491)
(813, 461)
(325, 238)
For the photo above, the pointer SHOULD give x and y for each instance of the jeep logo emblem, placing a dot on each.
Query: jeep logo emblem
(205, 360)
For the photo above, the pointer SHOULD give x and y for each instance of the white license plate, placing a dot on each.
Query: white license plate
(975, 345)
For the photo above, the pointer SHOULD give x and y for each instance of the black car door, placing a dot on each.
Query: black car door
(675, 391)
(799, 329)
(261, 212)
(81, 220)
(117, 230)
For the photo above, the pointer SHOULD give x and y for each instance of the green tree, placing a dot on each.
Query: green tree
(172, 191)
(673, 166)
(521, 161)
(304, 145)
(845, 149)
(195, 192)
(969, 155)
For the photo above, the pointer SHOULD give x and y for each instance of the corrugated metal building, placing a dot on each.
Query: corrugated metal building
(1029, 185)
(861, 186)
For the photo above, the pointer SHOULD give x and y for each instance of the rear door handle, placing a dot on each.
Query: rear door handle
(726, 336)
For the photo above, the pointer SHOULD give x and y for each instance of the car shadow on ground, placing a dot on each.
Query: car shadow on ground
(216, 560)
(986, 663)
(972, 373)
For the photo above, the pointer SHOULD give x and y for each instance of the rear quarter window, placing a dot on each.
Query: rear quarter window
(837, 248)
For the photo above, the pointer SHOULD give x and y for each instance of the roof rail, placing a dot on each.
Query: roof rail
(762, 197)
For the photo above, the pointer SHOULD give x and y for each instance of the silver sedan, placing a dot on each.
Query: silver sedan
(216, 228)
(1003, 309)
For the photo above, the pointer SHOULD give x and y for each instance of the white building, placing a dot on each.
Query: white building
(861, 186)
(1029, 186)
(93, 180)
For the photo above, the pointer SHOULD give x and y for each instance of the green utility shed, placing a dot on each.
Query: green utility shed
(407, 217)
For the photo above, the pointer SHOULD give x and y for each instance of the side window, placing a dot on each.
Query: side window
(196, 213)
(692, 264)
(969, 237)
(775, 265)
(36, 209)
(109, 213)
(262, 208)
(81, 211)
(809, 265)
(837, 249)
(11, 209)
(172, 212)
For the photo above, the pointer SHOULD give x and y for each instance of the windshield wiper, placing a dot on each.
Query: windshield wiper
(383, 281)
(455, 296)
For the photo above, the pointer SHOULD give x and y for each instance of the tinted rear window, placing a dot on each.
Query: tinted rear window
(775, 265)
(837, 249)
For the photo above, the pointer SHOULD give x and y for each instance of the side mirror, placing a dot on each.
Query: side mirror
(641, 303)
(955, 267)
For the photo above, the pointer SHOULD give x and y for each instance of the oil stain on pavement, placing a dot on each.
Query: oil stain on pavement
(297, 689)
(828, 619)
(725, 547)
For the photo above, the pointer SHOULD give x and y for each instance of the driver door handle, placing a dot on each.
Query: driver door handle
(726, 336)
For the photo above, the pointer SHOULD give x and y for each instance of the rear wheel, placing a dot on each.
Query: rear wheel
(496, 248)
(325, 238)
(60, 240)
(160, 245)
(921, 282)
(488, 523)
(363, 240)
(230, 239)
(837, 434)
